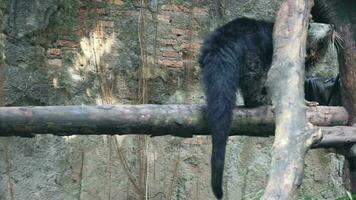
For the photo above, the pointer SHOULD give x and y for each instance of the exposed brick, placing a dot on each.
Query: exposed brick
(178, 31)
(106, 24)
(168, 41)
(164, 18)
(82, 14)
(55, 62)
(191, 46)
(117, 2)
(175, 8)
(200, 10)
(101, 11)
(171, 54)
(54, 52)
(67, 43)
(181, 8)
(193, 33)
(171, 63)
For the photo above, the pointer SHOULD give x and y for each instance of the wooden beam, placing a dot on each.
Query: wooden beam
(157, 120)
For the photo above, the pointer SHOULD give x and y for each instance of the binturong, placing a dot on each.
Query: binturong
(236, 56)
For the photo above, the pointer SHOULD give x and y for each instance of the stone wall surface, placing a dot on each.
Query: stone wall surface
(73, 52)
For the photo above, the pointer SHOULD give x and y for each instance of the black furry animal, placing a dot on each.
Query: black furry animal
(326, 93)
(237, 55)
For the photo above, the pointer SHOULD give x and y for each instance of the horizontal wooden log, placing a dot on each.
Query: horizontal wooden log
(154, 120)
(336, 136)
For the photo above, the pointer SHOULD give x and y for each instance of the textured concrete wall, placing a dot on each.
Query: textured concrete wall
(126, 52)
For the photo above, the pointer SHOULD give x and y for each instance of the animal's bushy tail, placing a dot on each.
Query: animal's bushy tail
(220, 76)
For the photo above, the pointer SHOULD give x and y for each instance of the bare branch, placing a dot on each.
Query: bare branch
(158, 120)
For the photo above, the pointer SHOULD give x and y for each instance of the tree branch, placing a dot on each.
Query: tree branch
(294, 136)
(158, 120)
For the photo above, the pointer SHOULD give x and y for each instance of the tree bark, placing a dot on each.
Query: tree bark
(294, 135)
(343, 16)
(345, 19)
(157, 120)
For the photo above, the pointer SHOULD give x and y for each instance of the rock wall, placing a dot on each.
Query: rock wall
(72, 52)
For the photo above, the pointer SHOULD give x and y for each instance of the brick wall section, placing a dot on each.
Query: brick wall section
(179, 37)
(180, 42)
(61, 45)
(173, 50)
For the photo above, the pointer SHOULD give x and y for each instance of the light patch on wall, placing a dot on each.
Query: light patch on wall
(55, 82)
(98, 44)
(96, 50)
(75, 76)
(94, 61)
(99, 101)
(88, 92)
(117, 2)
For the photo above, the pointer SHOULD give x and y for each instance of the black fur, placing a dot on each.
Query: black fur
(326, 93)
(237, 55)
(322, 11)
(242, 46)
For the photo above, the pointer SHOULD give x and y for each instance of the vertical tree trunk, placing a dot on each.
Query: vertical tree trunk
(345, 20)
(294, 135)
